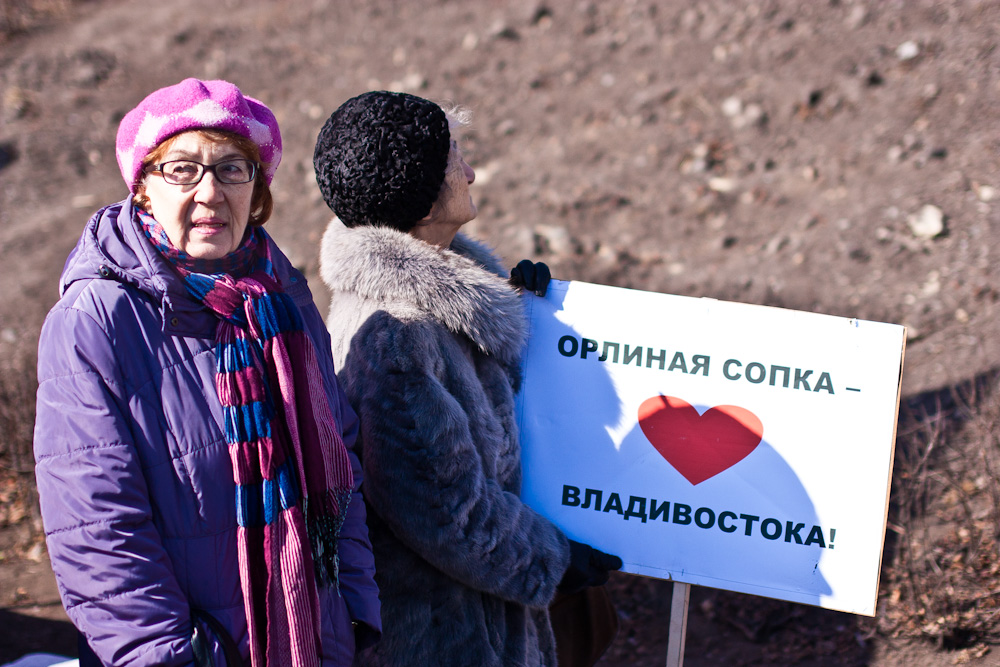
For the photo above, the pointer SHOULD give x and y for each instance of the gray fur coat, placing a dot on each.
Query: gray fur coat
(429, 344)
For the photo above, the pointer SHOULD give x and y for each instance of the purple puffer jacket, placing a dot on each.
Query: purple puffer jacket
(134, 474)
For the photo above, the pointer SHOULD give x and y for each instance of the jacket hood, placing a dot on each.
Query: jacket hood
(113, 247)
(464, 287)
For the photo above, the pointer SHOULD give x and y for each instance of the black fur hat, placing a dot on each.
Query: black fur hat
(381, 157)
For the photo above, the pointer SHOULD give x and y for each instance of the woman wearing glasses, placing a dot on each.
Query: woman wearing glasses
(194, 450)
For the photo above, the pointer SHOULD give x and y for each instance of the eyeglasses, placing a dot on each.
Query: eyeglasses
(189, 172)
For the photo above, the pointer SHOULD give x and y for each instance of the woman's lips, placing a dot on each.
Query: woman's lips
(208, 226)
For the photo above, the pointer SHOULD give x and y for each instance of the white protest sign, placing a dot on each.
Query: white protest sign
(741, 447)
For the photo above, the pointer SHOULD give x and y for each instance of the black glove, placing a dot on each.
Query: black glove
(587, 567)
(532, 276)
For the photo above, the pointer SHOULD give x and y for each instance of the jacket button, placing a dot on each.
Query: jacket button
(104, 271)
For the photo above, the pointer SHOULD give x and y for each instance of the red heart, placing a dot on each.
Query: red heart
(699, 446)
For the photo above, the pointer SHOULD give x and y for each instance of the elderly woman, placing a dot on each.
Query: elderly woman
(428, 335)
(194, 463)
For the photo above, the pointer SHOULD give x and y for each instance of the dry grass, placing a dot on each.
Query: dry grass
(943, 579)
(18, 501)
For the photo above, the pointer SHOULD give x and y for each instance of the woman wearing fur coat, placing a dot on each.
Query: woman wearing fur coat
(428, 333)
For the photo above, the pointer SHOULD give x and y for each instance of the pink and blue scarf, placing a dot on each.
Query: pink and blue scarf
(293, 476)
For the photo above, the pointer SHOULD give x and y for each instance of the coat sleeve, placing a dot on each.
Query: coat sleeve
(424, 475)
(114, 576)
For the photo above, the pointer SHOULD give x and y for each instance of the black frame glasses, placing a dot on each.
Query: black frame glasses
(244, 171)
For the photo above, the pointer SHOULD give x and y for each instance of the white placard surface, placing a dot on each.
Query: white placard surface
(740, 447)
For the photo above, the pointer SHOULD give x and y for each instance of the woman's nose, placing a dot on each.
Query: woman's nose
(470, 174)
(208, 189)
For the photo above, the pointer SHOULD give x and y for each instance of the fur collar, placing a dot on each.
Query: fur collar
(464, 288)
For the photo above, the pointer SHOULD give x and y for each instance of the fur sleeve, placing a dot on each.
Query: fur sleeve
(424, 476)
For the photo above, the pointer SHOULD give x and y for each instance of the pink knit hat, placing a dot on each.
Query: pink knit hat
(193, 105)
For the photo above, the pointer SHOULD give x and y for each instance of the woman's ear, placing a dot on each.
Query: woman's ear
(429, 218)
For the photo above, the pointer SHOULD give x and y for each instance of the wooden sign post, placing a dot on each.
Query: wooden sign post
(678, 624)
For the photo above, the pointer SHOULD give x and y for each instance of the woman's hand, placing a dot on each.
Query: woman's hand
(532, 276)
(587, 567)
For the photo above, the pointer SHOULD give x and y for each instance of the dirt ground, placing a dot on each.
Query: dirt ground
(837, 156)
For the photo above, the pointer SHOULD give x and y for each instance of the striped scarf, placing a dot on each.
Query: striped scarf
(281, 432)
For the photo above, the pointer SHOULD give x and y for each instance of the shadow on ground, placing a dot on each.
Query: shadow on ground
(23, 633)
